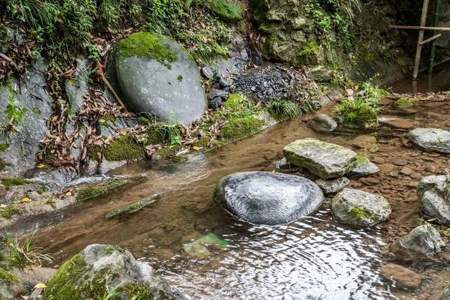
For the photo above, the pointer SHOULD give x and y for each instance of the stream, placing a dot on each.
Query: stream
(313, 258)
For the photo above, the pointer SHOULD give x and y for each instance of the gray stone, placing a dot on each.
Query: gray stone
(323, 123)
(445, 294)
(330, 187)
(422, 241)
(172, 92)
(77, 88)
(360, 209)
(111, 266)
(218, 93)
(320, 158)
(268, 198)
(365, 168)
(434, 193)
(208, 72)
(19, 147)
(431, 139)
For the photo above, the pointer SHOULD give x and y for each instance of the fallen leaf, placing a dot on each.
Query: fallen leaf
(40, 285)
(25, 200)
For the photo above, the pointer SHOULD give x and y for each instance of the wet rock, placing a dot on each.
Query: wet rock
(268, 198)
(132, 208)
(396, 122)
(363, 167)
(422, 243)
(330, 187)
(77, 88)
(360, 209)
(31, 106)
(157, 76)
(284, 165)
(402, 277)
(214, 93)
(99, 268)
(216, 103)
(323, 123)
(320, 158)
(431, 139)
(434, 193)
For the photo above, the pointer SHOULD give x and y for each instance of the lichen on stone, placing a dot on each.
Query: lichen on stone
(147, 45)
(360, 213)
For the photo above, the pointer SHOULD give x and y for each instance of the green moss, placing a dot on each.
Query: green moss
(7, 276)
(91, 192)
(162, 133)
(3, 164)
(147, 45)
(14, 181)
(404, 103)
(3, 147)
(9, 211)
(65, 284)
(311, 48)
(360, 160)
(226, 9)
(360, 213)
(241, 126)
(235, 102)
(124, 148)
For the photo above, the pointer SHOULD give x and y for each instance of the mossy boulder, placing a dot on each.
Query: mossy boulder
(360, 209)
(106, 272)
(157, 76)
(322, 159)
(229, 10)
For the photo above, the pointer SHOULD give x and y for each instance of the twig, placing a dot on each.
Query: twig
(5, 57)
(101, 73)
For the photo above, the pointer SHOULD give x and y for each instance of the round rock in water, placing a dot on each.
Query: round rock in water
(360, 209)
(434, 193)
(268, 198)
(431, 139)
(157, 76)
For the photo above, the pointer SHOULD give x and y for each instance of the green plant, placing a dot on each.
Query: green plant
(162, 133)
(8, 211)
(358, 111)
(284, 109)
(227, 9)
(20, 254)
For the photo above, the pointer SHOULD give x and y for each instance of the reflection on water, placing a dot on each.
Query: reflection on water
(310, 259)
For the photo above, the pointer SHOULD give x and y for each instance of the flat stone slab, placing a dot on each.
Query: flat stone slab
(322, 159)
(434, 193)
(360, 209)
(268, 198)
(431, 139)
(334, 186)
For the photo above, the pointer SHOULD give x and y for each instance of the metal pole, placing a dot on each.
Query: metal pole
(423, 23)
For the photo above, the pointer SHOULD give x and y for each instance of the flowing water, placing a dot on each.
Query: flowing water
(313, 258)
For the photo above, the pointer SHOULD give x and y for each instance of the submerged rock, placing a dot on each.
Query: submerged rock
(268, 198)
(100, 269)
(431, 139)
(320, 158)
(360, 209)
(157, 76)
(323, 123)
(199, 247)
(402, 277)
(445, 294)
(434, 192)
(330, 187)
(423, 242)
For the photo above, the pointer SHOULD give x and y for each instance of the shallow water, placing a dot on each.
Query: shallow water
(313, 258)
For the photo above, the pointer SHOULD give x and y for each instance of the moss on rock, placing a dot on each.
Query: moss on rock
(124, 148)
(147, 45)
(226, 9)
(362, 214)
(241, 126)
(87, 193)
(10, 210)
(14, 181)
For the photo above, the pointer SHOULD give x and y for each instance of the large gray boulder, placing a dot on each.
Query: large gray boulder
(431, 139)
(26, 108)
(434, 193)
(320, 158)
(268, 198)
(102, 269)
(422, 243)
(157, 76)
(360, 209)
